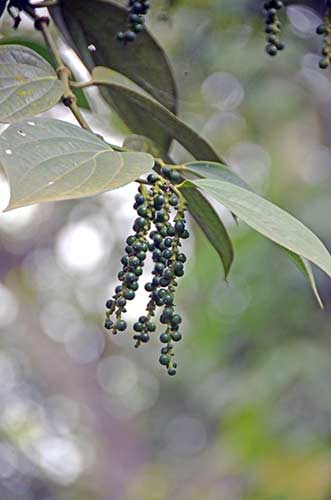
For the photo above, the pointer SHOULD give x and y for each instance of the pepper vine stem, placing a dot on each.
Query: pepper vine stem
(63, 72)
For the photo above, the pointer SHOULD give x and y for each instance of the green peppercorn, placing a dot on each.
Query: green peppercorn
(140, 222)
(181, 257)
(166, 254)
(130, 278)
(140, 200)
(164, 360)
(138, 271)
(129, 36)
(133, 286)
(164, 281)
(157, 254)
(170, 231)
(159, 202)
(168, 299)
(137, 246)
(142, 211)
(121, 302)
(176, 319)
(179, 226)
(168, 274)
(176, 336)
(108, 324)
(151, 327)
(138, 327)
(121, 325)
(175, 176)
(165, 338)
(152, 178)
(134, 261)
(324, 63)
(141, 256)
(138, 28)
(271, 49)
(166, 172)
(144, 337)
(129, 294)
(173, 200)
(159, 268)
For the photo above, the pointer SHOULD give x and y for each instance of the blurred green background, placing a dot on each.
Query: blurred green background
(248, 416)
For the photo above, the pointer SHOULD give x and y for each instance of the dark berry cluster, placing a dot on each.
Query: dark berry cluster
(273, 26)
(324, 30)
(159, 230)
(133, 263)
(136, 19)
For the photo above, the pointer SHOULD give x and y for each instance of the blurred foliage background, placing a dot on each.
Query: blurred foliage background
(248, 415)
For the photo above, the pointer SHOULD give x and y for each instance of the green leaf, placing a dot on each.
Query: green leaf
(211, 225)
(268, 219)
(51, 160)
(156, 117)
(28, 84)
(304, 266)
(43, 51)
(213, 170)
(96, 23)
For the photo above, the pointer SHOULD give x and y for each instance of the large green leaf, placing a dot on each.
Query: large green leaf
(44, 52)
(28, 84)
(156, 116)
(268, 219)
(304, 266)
(213, 170)
(51, 160)
(210, 223)
(95, 23)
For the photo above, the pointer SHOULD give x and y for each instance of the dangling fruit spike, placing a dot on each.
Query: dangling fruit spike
(273, 26)
(136, 20)
(324, 30)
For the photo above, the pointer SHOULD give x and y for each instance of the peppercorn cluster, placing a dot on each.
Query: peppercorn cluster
(324, 30)
(136, 20)
(273, 26)
(159, 231)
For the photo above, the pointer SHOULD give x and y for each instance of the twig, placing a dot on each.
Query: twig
(63, 72)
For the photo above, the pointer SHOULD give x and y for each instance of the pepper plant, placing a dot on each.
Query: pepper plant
(51, 160)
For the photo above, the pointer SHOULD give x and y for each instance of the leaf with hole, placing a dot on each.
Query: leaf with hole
(28, 84)
(268, 219)
(156, 117)
(51, 160)
(211, 225)
(95, 24)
